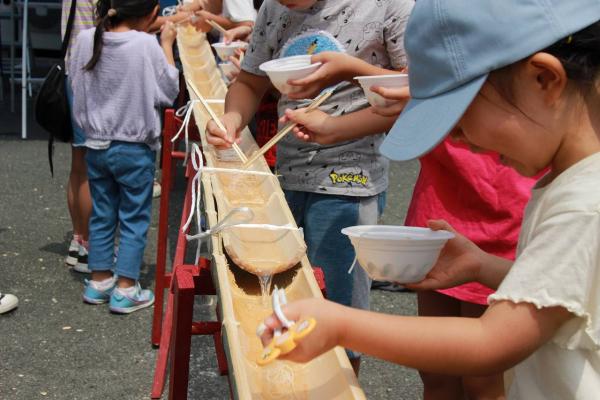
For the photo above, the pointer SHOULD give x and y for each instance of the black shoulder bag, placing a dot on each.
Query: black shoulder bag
(52, 110)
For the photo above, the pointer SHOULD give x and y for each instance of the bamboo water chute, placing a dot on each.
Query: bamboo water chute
(239, 250)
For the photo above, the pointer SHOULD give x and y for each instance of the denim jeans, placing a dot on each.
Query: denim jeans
(120, 179)
(78, 133)
(323, 216)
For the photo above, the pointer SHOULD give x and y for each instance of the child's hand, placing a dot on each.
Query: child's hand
(200, 22)
(459, 262)
(334, 69)
(400, 95)
(312, 126)
(324, 337)
(235, 61)
(219, 138)
(168, 33)
(241, 32)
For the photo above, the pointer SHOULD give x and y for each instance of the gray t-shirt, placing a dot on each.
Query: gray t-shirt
(372, 30)
(121, 98)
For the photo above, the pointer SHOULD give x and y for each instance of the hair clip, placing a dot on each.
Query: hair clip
(112, 12)
(569, 39)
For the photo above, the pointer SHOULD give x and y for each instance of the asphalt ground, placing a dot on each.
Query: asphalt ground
(56, 347)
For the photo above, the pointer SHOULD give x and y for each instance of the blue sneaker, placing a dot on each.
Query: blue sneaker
(125, 301)
(95, 293)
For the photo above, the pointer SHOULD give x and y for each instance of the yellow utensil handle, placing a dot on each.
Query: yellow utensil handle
(287, 342)
(268, 355)
(303, 328)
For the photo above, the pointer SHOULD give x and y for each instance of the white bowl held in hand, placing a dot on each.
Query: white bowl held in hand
(224, 51)
(228, 68)
(401, 254)
(387, 81)
(283, 69)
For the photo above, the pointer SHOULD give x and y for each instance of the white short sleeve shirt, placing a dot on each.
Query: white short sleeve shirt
(558, 264)
(239, 10)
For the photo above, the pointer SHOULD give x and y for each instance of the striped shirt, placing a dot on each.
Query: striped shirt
(84, 19)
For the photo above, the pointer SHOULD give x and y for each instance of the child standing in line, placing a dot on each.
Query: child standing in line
(328, 187)
(121, 78)
(475, 193)
(519, 78)
(79, 201)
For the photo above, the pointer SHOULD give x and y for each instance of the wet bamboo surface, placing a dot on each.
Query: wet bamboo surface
(236, 251)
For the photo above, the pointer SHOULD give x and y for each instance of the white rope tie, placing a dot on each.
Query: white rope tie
(185, 112)
(197, 163)
(360, 236)
(244, 214)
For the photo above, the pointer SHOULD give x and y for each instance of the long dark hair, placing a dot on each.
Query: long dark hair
(580, 54)
(110, 13)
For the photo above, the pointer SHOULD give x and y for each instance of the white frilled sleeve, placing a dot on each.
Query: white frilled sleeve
(559, 263)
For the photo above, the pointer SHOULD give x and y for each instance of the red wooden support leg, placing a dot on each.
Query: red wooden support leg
(181, 339)
(163, 226)
(160, 371)
(221, 359)
(320, 278)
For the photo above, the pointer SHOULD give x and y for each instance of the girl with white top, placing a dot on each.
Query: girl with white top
(520, 78)
(121, 78)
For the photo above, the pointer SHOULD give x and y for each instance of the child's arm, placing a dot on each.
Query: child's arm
(161, 20)
(319, 127)
(462, 261)
(241, 103)
(505, 335)
(167, 38)
(400, 96)
(241, 32)
(336, 67)
(226, 23)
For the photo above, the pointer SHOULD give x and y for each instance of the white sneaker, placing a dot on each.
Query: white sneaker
(71, 259)
(8, 302)
(156, 189)
(82, 261)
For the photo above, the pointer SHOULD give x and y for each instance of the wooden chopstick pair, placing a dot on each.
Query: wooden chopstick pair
(284, 131)
(216, 26)
(214, 117)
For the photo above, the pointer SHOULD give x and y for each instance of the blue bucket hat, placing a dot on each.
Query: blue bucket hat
(453, 45)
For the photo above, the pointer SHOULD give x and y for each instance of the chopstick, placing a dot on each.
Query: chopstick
(316, 103)
(214, 117)
(216, 26)
(177, 24)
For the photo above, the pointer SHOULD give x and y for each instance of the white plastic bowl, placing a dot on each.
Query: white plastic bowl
(224, 51)
(396, 253)
(228, 68)
(387, 81)
(283, 69)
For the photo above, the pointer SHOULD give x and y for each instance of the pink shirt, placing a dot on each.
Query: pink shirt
(481, 198)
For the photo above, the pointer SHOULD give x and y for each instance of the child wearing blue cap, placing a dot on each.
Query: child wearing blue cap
(519, 78)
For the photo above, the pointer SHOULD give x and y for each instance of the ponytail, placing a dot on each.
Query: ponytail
(102, 25)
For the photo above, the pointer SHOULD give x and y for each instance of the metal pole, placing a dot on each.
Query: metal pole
(24, 71)
(13, 36)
